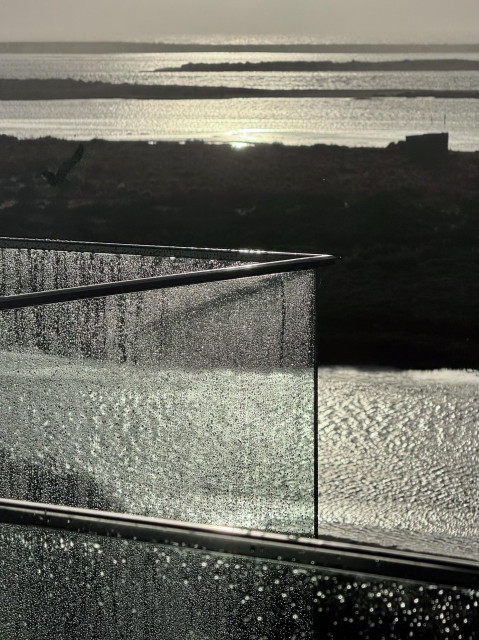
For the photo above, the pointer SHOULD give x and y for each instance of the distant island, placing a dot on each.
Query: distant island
(327, 65)
(167, 47)
(55, 89)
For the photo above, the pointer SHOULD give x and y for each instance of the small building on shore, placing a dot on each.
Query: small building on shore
(424, 146)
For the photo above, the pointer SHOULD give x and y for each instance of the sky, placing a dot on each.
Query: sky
(325, 20)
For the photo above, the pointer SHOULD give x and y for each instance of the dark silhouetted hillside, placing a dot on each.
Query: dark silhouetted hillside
(406, 291)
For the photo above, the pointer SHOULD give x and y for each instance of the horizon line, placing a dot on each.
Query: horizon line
(240, 44)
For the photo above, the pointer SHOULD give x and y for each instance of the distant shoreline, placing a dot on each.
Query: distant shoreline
(168, 47)
(327, 65)
(54, 89)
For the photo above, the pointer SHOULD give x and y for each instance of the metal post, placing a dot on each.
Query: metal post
(317, 282)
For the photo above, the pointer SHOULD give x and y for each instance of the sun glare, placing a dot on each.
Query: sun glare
(243, 137)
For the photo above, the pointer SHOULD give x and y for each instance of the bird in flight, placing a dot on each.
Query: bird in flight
(59, 177)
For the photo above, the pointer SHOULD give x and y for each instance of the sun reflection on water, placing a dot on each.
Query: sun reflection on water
(240, 145)
(245, 137)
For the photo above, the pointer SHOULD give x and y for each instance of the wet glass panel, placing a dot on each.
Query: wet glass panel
(29, 270)
(58, 584)
(194, 403)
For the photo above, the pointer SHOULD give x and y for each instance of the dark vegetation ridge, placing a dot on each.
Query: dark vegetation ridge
(327, 65)
(53, 89)
(165, 47)
(406, 292)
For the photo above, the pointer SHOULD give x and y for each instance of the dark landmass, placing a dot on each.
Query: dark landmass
(80, 90)
(327, 65)
(406, 292)
(166, 47)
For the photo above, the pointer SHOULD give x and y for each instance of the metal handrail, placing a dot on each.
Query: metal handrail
(70, 294)
(326, 555)
(250, 255)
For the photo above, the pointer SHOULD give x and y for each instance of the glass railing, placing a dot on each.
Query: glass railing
(189, 395)
(149, 388)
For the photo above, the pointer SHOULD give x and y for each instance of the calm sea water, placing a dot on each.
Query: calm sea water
(374, 122)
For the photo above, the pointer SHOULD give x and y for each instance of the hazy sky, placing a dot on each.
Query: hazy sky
(332, 20)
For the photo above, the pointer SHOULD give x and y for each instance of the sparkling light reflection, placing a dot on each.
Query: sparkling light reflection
(245, 137)
(264, 120)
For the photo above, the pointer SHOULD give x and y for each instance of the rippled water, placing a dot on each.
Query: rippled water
(245, 121)
(398, 451)
(139, 69)
(148, 69)
(374, 122)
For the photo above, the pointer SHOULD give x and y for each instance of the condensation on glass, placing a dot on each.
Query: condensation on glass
(59, 584)
(193, 403)
(25, 270)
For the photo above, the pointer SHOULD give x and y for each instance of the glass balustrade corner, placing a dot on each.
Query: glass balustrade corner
(161, 381)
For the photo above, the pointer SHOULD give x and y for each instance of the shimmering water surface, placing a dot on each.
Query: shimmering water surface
(149, 68)
(398, 454)
(373, 122)
(344, 121)
(140, 68)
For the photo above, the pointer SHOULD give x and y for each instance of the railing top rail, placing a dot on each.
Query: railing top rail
(243, 255)
(163, 282)
(327, 555)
